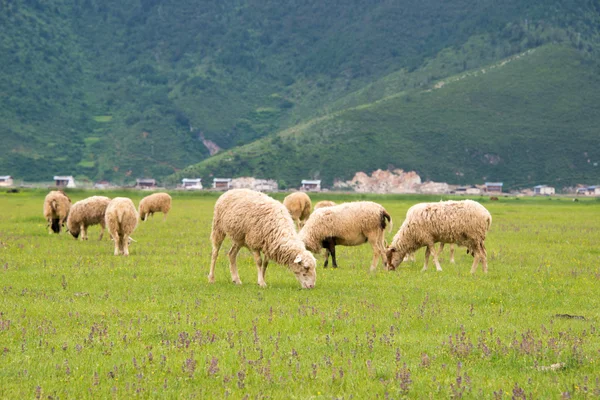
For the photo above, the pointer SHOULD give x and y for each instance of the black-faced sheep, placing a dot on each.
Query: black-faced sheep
(85, 213)
(298, 204)
(121, 220)
(156, 202)
(56, 210)
(263, 225)
(464, 223)
(348, 224)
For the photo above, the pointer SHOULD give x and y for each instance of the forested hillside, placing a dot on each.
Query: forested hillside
(116, 90)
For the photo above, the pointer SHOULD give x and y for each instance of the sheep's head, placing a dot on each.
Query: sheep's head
(305, 268)
(393, 258)
(73, 230)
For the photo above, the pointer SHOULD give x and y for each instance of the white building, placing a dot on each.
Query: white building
(6, 181)
(192, 184)
(222, 183)
(543, 190)
(311, 185)
(64, 181)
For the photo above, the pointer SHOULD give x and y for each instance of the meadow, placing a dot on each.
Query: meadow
(78, 322)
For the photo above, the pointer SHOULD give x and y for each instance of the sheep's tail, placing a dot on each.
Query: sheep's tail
(386, 217)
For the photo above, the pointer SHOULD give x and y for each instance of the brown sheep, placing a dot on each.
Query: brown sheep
(156, 202)
(121, 220)
(298, 204)
(87, 212)
(56, 210)
(256, 221)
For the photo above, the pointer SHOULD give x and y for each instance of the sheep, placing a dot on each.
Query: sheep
(464, 223)
(87, 212)
(121, 220)
(324, 203)
(298, 204)
(348, 224)
(256, 221)
(154, 203)
(56, 210)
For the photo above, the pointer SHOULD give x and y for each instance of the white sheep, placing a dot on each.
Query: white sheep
(298, 204)
(256, 221)
(348, 224)
(85, 213)
(56, 210)
(464, 223)
(156, 202)
(324, 203)
(121, 220)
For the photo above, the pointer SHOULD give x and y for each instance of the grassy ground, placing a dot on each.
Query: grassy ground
(77, 322)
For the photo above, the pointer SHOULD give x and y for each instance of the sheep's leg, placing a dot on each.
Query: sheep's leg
(332, 252)
(326, 258)
(233, 252)
(427, 253)
(125, 244)
(484, 258)
(83, 230)
(259, 262)
(265, 263)
(435, 259)
(102, 227)
(117, 241)
(217, 240)
(165, 216)
(480, 254)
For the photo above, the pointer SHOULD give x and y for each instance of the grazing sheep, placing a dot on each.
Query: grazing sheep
(154, 203)
(464, 223)
(348, 224)
(324, 203)
(121, 220)
(261, 224)
(56, 210)
(87, 212)
(298, 204)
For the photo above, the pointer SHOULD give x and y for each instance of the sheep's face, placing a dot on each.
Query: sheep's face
(74, 231)
(393, 258)
(305, 268)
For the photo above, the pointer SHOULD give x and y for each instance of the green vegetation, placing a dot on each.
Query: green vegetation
(526, 120)
(77, 322)
(151, 79)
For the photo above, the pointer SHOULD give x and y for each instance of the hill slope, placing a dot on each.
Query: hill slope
(122, 89)
(526, 120)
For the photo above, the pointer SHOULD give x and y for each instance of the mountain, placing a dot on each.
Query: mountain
(529, 119)
(115, 90)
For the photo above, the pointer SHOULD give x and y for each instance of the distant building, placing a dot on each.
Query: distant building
(473, 190)
(6, 181)
(192, 184)
(145, 183)
(266, 185)
(589, 191)
(493, 187)
(222, 183)
(102, 185)
(64, 181)
(543, 190)
(311, 185)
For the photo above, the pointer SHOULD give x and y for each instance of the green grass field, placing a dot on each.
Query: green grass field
(78, 322)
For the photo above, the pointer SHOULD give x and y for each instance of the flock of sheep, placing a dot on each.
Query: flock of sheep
(266, 227)
(119, 215)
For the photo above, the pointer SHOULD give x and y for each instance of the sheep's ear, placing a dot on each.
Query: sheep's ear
(298, 259)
